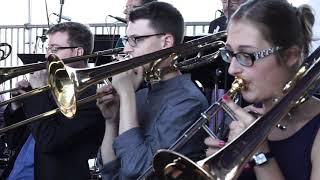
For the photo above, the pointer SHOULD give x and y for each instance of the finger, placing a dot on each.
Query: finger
(209, 141)
(139, 72)
(236, 128)
(256, 110)
(105, 89)
(211, 151)
(240, 113)
(23, 84)
(106, 99)
(120, 58)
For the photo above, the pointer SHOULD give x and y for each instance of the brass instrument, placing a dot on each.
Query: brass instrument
(228, 162)
(10, 72)
(9, 90)
(62, 78)
(25, 95)
(46, 114)
(67, 83)
(201, 123)
(4, 54)
(7, 73)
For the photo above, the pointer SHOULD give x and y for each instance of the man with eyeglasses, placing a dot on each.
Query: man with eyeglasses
(228, 8)
(138, 123)
(56, 147)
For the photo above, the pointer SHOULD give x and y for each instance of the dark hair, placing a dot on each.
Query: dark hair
(147, 1)
(164, 18)
(79, 35)
(279, 22)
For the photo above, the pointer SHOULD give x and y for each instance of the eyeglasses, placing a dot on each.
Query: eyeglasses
(55, 49)
(246, 59)
(132, 40)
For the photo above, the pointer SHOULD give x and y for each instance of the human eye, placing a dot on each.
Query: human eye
(244, 59)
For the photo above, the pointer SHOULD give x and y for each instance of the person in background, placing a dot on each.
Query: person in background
(228, 8)
(55, 147)
(268, 40)
(130, 5)
(138, 123)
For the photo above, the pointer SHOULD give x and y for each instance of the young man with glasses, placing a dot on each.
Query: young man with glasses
(138, 123)
(56, 147)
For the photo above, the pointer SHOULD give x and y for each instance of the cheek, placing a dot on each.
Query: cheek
(267, 83)
(64, 54)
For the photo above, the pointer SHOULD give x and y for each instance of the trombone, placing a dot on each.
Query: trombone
(7, 73)
(67, 83)
(228, 162)
(9, 90)
(10, 72)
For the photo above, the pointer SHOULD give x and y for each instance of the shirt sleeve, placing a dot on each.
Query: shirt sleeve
(110, 170)
(136, 151)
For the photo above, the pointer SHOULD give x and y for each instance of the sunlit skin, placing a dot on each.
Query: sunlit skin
(145, 45)
(38, 79)
(61, 39)
(265, 79)
(130, 4)
(233, 6)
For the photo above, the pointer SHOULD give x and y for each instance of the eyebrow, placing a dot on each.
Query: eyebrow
(53, 45)
(241, 47)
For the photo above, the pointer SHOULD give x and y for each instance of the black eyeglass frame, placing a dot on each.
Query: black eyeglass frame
(134, 39)
(227, 55)
(55, 49)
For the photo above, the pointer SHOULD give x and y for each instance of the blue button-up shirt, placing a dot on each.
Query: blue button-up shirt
(24, 165)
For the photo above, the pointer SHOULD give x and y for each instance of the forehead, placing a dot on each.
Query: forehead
(59, 38)
(139, 27)
(133, 2)
(244, 33)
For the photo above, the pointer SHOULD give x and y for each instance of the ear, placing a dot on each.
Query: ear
(167, 41)
(80, 51)
(292, 56)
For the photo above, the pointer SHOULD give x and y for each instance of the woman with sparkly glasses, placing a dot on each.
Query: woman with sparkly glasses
(267, 42)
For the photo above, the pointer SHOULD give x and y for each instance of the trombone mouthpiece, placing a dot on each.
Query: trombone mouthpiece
(237, 85)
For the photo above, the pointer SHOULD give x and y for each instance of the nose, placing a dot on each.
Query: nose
(235, 68)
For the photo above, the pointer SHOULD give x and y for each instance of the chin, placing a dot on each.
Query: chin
(249, 96)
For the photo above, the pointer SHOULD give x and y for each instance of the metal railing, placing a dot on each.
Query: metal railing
(26, 39)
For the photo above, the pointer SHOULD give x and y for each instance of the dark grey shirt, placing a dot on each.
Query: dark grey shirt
(165, 111)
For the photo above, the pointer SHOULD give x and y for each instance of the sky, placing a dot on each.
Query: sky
(96, 11)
